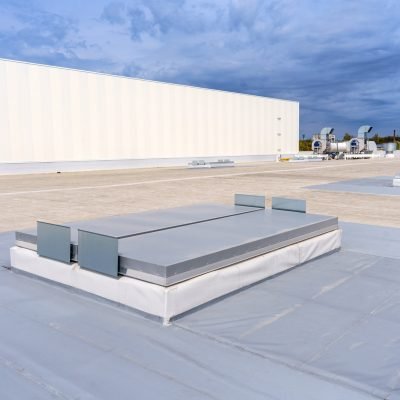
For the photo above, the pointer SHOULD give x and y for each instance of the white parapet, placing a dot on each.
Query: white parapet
(168, 302)
(396, 180)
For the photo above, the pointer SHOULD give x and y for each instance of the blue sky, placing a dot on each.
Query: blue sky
(340, 59)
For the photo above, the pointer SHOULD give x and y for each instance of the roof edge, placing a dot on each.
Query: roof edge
(144, 80)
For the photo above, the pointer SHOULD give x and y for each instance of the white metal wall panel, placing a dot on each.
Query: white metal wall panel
(57, 114)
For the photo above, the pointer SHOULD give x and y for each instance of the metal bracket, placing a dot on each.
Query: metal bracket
(54, 241)
(285, 204)
(249, 200)
(98, 253)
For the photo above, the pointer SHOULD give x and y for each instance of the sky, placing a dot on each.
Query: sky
(339, 59)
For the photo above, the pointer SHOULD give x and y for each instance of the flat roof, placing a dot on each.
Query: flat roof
(75, 196)
(328, 327)
(377, 185)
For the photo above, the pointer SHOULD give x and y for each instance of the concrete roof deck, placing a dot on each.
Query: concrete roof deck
(84, 195)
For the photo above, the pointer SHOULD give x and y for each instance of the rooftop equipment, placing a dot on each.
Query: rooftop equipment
(166, 262)
(390, 148)
(396, 180)
(322, 140)
(211, 164)
(325, 143)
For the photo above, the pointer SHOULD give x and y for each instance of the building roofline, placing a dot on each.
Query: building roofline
(144, 80)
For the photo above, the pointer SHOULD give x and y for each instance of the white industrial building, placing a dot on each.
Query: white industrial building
(52, 114)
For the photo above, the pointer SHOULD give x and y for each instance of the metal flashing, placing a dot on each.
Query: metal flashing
(286, 204)
(54, 241)
(98, 253)
(249, 200)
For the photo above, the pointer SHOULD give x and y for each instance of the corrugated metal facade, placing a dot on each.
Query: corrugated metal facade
(58, 114)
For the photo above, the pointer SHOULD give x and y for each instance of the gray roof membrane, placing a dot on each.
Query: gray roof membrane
(327, 330)
(337, 317)
(378, 185)
(371, 239)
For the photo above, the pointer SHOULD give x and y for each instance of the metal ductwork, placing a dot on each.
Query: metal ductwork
(337, 147)
(325, 142)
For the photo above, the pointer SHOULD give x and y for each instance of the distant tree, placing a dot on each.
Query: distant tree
(375, 138)
(305, 145)
(346, 137)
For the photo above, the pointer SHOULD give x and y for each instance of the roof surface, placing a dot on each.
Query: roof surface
(328, 329)
(377, 185)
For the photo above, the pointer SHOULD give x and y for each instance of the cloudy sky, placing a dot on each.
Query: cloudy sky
(340, 59)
